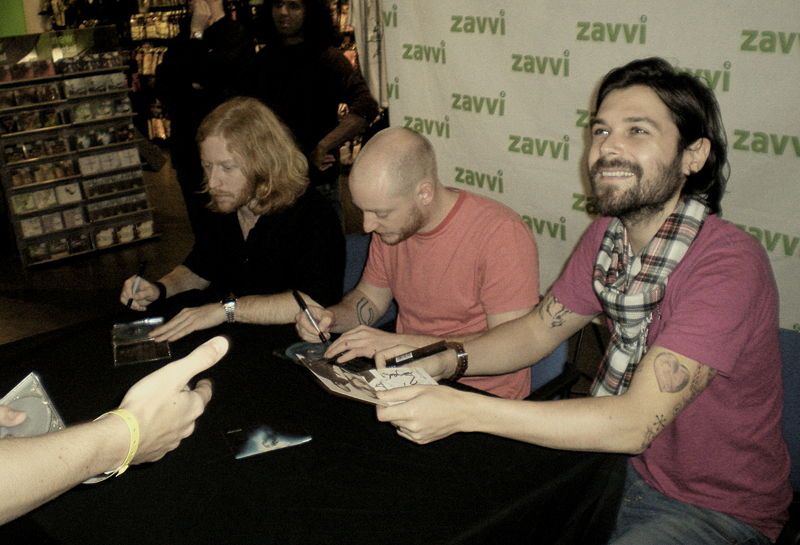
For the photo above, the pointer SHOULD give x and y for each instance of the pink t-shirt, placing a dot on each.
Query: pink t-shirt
(725, 450)
(480, 260)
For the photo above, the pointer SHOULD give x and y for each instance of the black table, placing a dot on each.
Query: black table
(355, 482)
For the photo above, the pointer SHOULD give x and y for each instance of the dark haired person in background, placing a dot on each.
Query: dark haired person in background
(303, 77)
(269, 233)
(690, 384)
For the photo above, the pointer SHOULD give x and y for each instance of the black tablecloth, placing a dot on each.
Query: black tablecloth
(355, 482)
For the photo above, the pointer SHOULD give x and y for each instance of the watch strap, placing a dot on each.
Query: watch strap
(462, 360)
(229, 305)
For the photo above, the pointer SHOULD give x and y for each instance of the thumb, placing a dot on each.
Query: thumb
(10, 417)
(180, 372)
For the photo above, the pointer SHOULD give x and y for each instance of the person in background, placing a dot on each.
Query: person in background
(270, 233)
(456, 263)
(191, 81)
(302, 76)
(158, 411)
(690, 385)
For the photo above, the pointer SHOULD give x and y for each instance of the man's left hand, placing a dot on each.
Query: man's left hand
(189, 320)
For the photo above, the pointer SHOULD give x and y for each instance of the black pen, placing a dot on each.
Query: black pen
(304, 308)
(417, 354)
(136, 283)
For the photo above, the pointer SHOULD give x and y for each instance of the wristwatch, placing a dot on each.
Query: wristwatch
(229, 304)
(462, 357)
(197, 35)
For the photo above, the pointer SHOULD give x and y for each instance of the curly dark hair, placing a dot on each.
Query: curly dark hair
(694, 111)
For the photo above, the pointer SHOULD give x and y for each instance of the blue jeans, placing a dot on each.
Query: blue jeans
(648, 517)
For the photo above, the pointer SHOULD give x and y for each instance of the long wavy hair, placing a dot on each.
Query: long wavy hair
(265, 149)
(694, 111)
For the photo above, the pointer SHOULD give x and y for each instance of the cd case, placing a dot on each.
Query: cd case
(133, 343)
(30, 397)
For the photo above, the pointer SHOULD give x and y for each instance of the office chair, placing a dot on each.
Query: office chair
(790, 354)
(357, 248)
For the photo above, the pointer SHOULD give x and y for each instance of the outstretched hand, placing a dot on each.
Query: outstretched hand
(164, 404)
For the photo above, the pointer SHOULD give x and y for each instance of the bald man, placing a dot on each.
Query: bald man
(456, 263)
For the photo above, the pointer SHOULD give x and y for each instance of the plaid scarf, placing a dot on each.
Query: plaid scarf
(631, 287)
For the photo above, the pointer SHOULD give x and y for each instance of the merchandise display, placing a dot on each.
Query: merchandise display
(69, 162)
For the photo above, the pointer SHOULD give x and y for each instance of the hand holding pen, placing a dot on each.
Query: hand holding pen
(307, 312)
(137, 280)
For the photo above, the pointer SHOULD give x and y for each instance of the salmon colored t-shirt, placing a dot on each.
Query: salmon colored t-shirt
(480, 260)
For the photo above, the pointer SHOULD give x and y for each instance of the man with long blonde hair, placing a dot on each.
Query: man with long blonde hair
(270, 234)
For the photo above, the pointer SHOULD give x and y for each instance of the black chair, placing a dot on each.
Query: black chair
(790, 354)
(554, 375)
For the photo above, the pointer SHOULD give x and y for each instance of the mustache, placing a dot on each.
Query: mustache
(619, 164)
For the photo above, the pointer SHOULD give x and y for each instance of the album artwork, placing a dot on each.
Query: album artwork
(260, 439)
(30, 397)
(362, 385)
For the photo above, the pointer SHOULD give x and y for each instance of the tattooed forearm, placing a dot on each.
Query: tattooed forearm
(364, 311)
(673, 377)
(552, 311)
(653, 430)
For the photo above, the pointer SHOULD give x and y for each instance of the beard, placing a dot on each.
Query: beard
(223, 202)
(412, 227)
(647, 195)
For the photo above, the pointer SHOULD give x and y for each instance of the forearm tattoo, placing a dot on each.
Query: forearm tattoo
(674, 377)
(552, 311)
(365, 313)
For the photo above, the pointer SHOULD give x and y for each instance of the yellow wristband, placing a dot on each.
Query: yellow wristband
(133, 427)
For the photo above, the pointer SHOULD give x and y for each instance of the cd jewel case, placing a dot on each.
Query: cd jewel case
(30, 397)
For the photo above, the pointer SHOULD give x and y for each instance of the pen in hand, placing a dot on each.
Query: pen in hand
(136, 283)
(307, 312)
(417, 354)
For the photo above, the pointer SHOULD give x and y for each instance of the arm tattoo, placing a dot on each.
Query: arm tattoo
(364, 311)
(673, 377)
(551, 310)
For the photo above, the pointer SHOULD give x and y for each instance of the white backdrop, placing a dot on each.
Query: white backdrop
(503, 91)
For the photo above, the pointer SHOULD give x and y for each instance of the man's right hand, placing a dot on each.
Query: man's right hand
(164, 404)
(306, 330)
(145, 294)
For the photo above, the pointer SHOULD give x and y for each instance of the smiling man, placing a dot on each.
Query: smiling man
(270, 232)
(456, 263)
(690, 384)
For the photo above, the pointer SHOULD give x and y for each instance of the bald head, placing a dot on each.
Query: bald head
(395, 159)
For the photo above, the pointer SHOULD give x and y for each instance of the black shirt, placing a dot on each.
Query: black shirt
(301, 247)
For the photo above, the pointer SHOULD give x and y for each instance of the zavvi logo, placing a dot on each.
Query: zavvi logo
(479, 104)
(430, 127)
(480, 180)
(536, 64)
(591, 31)
(476, 24)
(769, 41)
